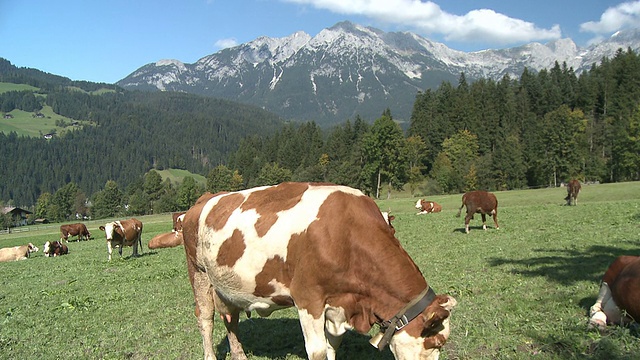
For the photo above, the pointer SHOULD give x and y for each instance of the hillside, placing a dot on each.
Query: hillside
(132, 133)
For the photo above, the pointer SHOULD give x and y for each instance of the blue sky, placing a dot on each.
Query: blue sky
(106, 40)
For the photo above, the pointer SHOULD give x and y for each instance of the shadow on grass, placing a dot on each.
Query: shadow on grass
(567, 266)
(285, 339)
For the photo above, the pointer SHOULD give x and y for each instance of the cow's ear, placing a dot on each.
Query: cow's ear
(101, 228)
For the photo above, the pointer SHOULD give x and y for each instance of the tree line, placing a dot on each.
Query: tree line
(535, 131)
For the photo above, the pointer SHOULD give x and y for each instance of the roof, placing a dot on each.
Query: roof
(11, 209)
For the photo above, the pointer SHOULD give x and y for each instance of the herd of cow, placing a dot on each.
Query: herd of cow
(329, 251)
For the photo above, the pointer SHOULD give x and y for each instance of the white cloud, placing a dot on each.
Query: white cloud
(615, 18)
(482, 25)
(226, 43)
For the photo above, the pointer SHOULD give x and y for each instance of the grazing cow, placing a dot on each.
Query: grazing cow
(427, 207)
(15, 253)
(326, 250)
(55, 248)
(479, 202)
(123, 233)
(573, 188)
(78, 229)
(619, 298)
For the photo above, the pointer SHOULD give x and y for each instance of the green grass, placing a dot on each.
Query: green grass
(523, 291)
(5, 87)
(176, 176)
(25, 124)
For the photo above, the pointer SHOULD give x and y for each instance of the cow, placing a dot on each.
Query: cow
(166, 240)
(573, 188)
(325, 249)
(479, 202)
(427, 207)
(55, 248)
(123, 233)
(389, 218)
(15, 253)
(78, 229)
(618, 301)
(171, 239)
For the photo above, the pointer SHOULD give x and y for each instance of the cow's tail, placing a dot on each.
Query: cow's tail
(461, 206)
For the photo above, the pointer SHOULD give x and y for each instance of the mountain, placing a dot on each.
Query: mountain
(350, 70)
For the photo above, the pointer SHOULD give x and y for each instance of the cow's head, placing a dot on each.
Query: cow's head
(32, 248)
(47, 249)
(425, 334)
(419, 204)
(110, 229)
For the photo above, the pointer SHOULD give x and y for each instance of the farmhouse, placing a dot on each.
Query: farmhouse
(18, 216)
(8, 116)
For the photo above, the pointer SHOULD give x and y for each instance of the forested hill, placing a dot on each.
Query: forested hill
(133, 132)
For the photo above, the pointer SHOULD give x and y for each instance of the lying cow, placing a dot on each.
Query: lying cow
(619, 298)
(172, 239)
(326, 250)
(479, 202)
(79, 229)
(427, 207)
(123, 233)
(573, 189)
(166, 240)
(55, 248)
(15, 253)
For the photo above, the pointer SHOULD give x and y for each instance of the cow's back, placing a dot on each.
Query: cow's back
(623, 277)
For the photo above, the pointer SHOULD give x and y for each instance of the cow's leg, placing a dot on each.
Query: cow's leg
(135, 248)
(495, 219)
(109, 249)
(204, 311)
(315, 341)
(335, 325)
(467, 219)
(231, 323)
(484, 221)
(604, 310)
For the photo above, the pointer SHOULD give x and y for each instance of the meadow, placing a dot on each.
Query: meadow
(523, 291)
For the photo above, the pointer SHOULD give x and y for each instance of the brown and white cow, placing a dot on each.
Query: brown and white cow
(386, 215)
(326, 250)
(55, 248)
(15, 253)
(171, 239)
(573, 188)
(79, 229)
(619, 298)
(123, 233)
(427, 207)
(479, 202)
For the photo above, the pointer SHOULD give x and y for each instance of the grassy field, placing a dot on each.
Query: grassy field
(523, 291)
(176, 176)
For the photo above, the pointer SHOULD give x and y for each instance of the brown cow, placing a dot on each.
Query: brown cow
(78, 229)
(15, 253)
(479, 202)
(573, 188)
(172, 239)
(55, 248)
(123, 233)
(427, 207)
(326, 250)
(619, 298)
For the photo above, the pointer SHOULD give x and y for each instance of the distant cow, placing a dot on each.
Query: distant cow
(479, 202)
(15, 253)
(389, 218)
(123, 233)
(326, 250)
(427, 207)
(619, 298)
(573, 188)
(55, 248)
(78, 229)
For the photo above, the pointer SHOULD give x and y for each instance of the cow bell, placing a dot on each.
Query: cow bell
(375, 340)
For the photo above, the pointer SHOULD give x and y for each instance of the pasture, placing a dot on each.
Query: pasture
(523, 291)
